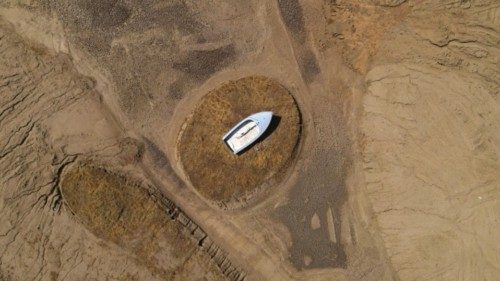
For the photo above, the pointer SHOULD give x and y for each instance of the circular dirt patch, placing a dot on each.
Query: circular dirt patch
(210, 165)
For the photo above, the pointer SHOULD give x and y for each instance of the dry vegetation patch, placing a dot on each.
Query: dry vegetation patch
(212, 168)
(118, 210)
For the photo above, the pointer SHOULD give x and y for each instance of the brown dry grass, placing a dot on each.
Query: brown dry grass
(211, 167)
(122, 212)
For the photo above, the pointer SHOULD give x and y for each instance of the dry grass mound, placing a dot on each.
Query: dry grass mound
(117, 210)
(212, 168)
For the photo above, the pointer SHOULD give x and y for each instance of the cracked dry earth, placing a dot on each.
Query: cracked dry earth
(396, 175)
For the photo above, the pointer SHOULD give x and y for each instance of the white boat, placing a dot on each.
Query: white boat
(247, 131)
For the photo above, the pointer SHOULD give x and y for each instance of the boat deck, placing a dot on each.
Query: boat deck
(246, 134)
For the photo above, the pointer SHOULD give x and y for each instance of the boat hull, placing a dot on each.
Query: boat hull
(247, 131)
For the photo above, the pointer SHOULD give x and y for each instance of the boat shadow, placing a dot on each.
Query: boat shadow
(275, 121)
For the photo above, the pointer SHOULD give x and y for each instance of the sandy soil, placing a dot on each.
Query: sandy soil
(435, 108)
(396, 176)
(52, 230)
